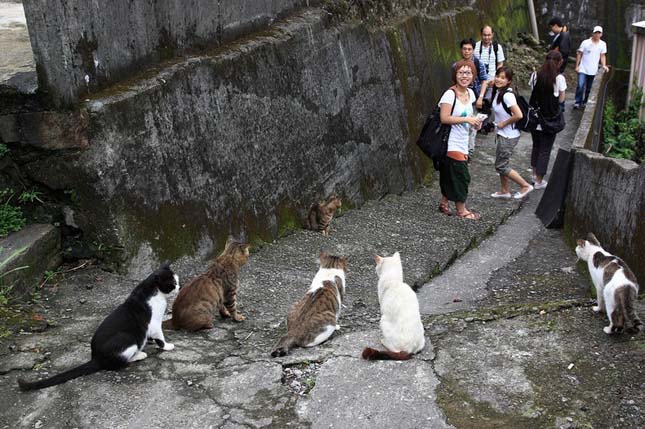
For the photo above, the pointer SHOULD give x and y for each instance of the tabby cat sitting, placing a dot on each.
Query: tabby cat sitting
(400, 319)
(321, 214)
(314, 318)
(121, 337)
(215, 290)
(616, 286)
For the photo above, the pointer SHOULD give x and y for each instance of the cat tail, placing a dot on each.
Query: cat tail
(373, 354)
(168, 324)
(283, 346)
(312, 222)
(86, 369)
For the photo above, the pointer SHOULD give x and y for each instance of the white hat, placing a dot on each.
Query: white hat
(597, 29)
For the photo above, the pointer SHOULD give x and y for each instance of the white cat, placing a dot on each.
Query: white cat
(616, 287)
(400, 319)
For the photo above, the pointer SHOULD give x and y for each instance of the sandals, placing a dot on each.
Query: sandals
(445, 209)
(469, 215)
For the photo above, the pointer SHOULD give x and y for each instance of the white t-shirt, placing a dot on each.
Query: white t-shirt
(488, 56)
(559, 85)
(591, 56)
(458, 140)
(509, 131)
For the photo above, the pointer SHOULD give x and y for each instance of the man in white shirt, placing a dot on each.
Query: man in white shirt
(589, 53)
(489, 52)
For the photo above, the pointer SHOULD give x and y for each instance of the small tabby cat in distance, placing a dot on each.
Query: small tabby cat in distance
(400, 323)
(321, 214)
(121, 337)
(314, 318)
(210, 292)
(616, 286)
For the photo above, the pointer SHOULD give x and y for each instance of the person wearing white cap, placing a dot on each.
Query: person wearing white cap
(589, 53)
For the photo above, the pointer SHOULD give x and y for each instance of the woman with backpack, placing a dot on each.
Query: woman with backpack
(457, 111)
(547, 95)
(507, 113)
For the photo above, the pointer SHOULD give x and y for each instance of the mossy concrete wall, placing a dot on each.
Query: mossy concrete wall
(243, 139)
(81, 46)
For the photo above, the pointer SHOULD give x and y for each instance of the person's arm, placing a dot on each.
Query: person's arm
(516, 116)
(561, 97)
(500, 57)
(480, 100)
(578, 58)
(603, 61)
(448, 119)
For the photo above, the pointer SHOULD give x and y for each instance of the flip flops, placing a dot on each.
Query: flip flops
(469, 215)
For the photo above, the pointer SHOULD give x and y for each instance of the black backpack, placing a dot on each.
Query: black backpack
(433, 140)
(530, 116)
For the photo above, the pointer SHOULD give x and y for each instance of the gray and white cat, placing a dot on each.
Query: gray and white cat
(400, 323)
(616, 286)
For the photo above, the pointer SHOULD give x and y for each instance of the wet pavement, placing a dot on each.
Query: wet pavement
(511, 338)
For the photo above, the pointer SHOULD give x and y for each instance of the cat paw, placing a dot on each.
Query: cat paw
(595, 308)
(337, 327)
(607, 330)
(167, 347)
(238, 317)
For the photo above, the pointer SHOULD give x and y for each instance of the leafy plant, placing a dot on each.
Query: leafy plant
(6, 290)
(3, 150)
(30, 196)
(623, 131)
(11, 217)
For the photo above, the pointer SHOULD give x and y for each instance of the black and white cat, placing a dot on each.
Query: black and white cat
(616, 287)
(121, 337)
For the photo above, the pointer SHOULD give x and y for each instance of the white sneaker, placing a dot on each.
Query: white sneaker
(541, 185)
(506, 196)
(520, 195)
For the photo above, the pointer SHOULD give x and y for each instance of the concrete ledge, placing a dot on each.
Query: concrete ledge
(42, 244)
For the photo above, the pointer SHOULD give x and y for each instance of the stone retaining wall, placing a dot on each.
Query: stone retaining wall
(243, 139)
(81, 45)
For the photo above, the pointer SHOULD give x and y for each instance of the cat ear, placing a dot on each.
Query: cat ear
(581, 242)
(378, 259)
(591, 238)
(397, 255)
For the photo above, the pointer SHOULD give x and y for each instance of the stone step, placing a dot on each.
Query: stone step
(39, 250)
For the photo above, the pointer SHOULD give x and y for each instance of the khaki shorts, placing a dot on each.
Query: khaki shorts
(505, 148)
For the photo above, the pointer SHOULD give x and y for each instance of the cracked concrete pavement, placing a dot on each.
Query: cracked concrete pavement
(512, 341)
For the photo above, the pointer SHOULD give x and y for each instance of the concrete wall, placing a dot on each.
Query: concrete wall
(83, 45)
(606, 196)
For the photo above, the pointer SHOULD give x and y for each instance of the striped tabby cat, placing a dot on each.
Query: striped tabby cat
(214, 290)
(314, 318)
(321, 214)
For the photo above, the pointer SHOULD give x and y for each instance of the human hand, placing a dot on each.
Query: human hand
(479, 103)
(605, 68)
(577, 71)
(475, 122)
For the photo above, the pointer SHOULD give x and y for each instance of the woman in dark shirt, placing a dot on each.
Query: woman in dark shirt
(547, 95)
